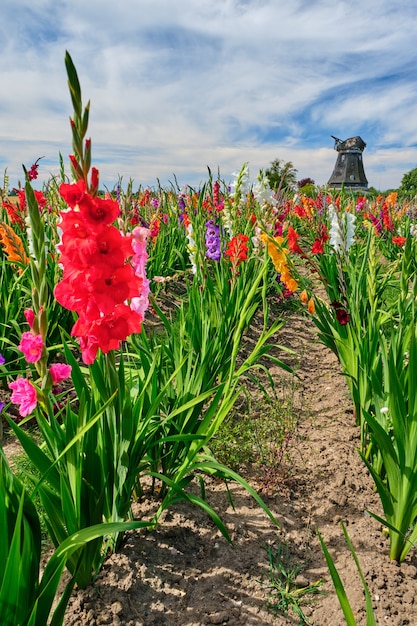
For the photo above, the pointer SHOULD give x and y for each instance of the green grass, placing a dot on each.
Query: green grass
(23, 468)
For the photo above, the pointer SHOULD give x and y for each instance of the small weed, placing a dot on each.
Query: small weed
(284, 592)
(258, 433)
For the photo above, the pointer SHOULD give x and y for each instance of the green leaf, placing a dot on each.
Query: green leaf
(338, 585)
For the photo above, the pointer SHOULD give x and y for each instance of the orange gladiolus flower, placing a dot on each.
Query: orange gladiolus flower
(311, 306)
(391, 199)
(278, 255)
(13, 245)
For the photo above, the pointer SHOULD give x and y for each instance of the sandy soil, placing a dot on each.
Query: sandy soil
(186, 573)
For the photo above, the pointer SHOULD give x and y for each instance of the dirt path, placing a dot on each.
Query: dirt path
(186, 573)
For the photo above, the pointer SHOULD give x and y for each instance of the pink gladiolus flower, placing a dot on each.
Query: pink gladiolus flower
(59, 372)
(31, 345)
(139, 240)
(24, 394)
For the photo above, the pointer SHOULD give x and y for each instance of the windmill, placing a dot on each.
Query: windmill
(348, 171)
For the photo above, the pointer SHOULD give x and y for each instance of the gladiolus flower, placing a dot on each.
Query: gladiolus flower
(106, 332)
(2, 360)
(59, 372)
(97, 211)
(304, 296)
(139, 240)
(342, 315)
(24, 393)
(13, 245)
(15, 213)
(33, 172)
(237, 250)
(212, 241)
(73, 193)
(41, 200)
(29, 317)
(278, 255)
(31, 345)
(342, 229)
(103, 271)
(399, 241)
(317, 247)
(311, 308)
(292, 241)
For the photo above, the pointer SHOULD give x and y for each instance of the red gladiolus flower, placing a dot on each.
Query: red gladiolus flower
(72, 291)
(94, 179)
(83, 246)
(98, 211)
(317, 247)
(40, 199)
(14, 212)
(237, 250)
(73, 193)
(99, 278)
(342, 315)
(399, 241)
(106, 332)
(292, 241)
(116, 286)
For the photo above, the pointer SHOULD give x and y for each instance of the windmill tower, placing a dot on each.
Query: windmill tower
(348, 171)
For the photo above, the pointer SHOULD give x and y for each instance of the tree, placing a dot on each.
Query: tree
(307, 187)
(408, 185)
(282, 176)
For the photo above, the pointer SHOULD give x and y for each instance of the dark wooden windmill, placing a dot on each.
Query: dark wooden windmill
(348, 171)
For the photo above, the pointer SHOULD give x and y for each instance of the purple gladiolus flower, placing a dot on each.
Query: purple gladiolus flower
(213, 241)
(2, 360)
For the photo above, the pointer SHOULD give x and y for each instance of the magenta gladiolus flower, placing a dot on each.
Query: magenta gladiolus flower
(59, 372)
(31, 345)
(24, 394)
(29, 316)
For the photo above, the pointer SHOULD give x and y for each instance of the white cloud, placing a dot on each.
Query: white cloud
(175, 87)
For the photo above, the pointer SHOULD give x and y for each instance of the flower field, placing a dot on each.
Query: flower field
(138, 326)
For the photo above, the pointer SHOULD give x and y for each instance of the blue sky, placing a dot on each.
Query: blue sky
(177, 86)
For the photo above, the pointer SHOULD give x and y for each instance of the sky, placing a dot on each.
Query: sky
(180, 86)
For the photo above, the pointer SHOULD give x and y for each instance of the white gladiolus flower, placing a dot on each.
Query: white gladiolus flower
(226, 219)
(350, 229)
(262, 191)
(192, 248)
(342, 229)
(336, 231)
